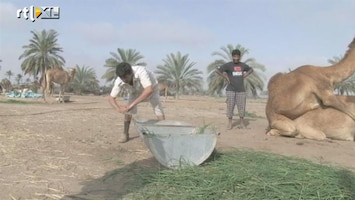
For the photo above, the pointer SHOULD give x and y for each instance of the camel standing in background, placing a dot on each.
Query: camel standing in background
(42, 84)
(59, 76)
(327, 122)
(164, 87)
(306, 88)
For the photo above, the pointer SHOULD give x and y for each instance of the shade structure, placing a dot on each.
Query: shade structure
(176, 143)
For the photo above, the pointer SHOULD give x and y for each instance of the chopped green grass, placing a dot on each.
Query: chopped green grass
(246, 175)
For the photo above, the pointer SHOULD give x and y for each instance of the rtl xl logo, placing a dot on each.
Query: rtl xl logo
(42, 12)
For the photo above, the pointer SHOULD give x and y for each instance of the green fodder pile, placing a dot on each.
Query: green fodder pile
(247, 175)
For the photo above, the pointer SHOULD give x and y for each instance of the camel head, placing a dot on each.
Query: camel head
(72, 72)
(352, 44)
(350, 54)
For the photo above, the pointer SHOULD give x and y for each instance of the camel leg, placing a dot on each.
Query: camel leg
(44, 94)
(166, 94)
(331, 100)
(309, 132)
(48, 86)
(281, 125)
(51, 90)
(61, 94)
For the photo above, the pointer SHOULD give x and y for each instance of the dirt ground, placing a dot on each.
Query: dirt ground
(70, 150)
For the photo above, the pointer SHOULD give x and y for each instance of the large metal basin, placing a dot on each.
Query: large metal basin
(176, 143)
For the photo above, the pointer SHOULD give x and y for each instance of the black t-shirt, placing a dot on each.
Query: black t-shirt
(235, 74)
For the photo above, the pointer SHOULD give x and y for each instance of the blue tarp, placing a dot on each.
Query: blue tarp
(27, 94)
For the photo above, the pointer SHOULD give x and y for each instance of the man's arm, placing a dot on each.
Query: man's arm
(114, 104)
(223, 75)
(145, 94)
(248, 73)
(112, 97)
(145, 80)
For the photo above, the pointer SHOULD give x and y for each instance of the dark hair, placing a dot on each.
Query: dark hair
(123, 69)
(236, 52)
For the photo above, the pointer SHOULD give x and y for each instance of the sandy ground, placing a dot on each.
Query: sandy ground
(70, 150)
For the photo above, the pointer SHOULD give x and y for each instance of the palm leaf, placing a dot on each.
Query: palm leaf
(41, 53)
(178, 72)
(130, 56)
(85, 80)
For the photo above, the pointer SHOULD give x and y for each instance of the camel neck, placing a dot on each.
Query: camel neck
(344, 69)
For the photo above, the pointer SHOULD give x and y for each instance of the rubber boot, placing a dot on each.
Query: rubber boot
(125, 136)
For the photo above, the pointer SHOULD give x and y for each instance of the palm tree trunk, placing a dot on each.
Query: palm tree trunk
(177, 90)
(255, 94)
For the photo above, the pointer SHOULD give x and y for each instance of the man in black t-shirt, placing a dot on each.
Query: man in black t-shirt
(235, 73)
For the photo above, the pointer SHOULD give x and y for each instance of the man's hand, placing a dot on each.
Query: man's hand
(124, 109)
(223, 75)
(120, 109)
(248, 73)
(228, 81)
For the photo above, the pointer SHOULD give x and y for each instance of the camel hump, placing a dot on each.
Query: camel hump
(276, 76)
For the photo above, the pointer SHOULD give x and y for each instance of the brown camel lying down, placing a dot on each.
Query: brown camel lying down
(327, 122)
(304, 89)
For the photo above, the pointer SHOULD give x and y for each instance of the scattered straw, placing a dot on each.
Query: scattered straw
(12, 197)
(51, 196)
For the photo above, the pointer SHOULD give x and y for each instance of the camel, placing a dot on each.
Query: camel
(42, 84)
(304, 89)
(59, 76)
(327, 122)
(164, 87)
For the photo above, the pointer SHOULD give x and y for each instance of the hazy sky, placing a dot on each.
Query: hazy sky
(280, 34)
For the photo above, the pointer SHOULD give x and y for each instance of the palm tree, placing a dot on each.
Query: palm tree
(253, 83)
(9, 74)
(130, 56)
(18, 79)
(178, 72)
(27, 80)
(347, 86)
(6, 84)
(85, 80)
(41, 53)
